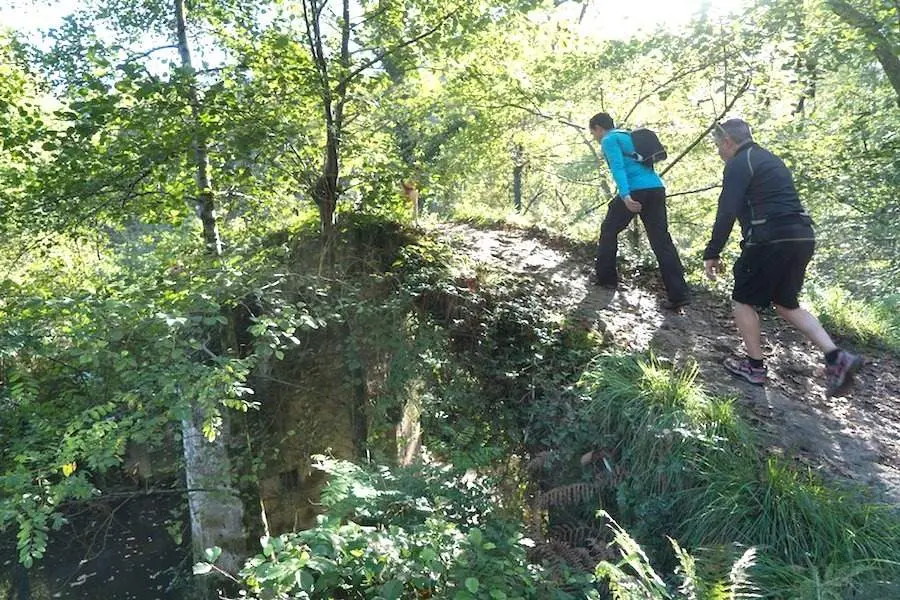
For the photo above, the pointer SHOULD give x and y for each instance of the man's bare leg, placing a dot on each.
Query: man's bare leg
(747, 322)
(809, 325)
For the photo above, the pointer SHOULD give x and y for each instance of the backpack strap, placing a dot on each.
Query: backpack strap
(633, 155)
(753, 218)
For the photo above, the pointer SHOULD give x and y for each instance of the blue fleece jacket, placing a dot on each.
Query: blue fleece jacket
(628, 173)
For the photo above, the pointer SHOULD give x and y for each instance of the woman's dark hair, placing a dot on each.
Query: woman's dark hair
(602, 120)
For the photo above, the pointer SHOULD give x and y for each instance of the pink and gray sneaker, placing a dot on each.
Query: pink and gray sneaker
(741, 367)
(840, 373)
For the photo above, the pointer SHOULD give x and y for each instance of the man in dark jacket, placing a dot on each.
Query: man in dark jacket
(758, 190)
(640, 191)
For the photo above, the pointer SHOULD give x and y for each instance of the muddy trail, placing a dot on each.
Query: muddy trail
(855, 438)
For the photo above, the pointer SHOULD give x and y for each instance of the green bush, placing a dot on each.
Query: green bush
(422, 532)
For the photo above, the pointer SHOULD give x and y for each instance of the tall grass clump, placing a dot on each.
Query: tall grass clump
(694, 472)
(657, 418)
(857, 320)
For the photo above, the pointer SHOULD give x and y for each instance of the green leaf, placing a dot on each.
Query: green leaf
(392, 590)
(428, 555)
(212, 554)
(305, 580)
(202, 568)
(475, 536)
(472, 584)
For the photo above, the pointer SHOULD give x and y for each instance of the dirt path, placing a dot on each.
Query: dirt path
(856, 437)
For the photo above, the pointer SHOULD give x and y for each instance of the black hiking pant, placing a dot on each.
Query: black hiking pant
(653, 215)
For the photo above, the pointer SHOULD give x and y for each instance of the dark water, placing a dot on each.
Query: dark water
(112, 550)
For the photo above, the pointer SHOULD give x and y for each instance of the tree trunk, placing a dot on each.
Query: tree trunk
(885, 51)
(20, 588)
(517, 187)
(325, 193)
(634, 236)
(359, 413)
(326, 186)
(205, 202)
(216, 510)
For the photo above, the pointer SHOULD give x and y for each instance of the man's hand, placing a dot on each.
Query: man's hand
(712, 266)
(632, 205)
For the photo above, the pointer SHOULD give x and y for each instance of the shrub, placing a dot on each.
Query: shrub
(423, 532)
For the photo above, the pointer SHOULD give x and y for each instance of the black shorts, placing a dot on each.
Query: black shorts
(772, 273)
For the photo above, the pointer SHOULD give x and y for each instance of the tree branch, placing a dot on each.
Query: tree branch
(314, 39)
(884, 50)
(588, 183)
(341, 91)
(135, 57)
(662, 86)
(534, 198)
(140, 493)
(370, 16)
(696, 191)
(539, 113)
(744, 87)
(380, 55)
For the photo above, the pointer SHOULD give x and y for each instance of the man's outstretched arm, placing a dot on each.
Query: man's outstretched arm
(735, 181)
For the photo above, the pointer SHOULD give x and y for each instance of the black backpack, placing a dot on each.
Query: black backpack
(648, 150)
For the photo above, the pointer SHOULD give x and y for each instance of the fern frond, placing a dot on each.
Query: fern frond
(556, 554)
(640, 580)
(738, 576)
(575, 534)
(567, 495)
(687, 570)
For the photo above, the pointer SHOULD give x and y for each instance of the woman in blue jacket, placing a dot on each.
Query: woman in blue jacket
(640, 191)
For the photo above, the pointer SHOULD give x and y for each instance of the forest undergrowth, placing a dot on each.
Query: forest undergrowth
(570, 435)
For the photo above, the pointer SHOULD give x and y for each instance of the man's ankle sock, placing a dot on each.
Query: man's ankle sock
(831, 357)
(756, 363)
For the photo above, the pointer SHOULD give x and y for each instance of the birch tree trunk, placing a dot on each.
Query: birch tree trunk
(216, 510)
(205, 202)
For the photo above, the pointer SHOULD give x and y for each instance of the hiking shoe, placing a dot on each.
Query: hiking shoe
(609, 285)
(675, 304)
(743, 368)
(840, 373)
